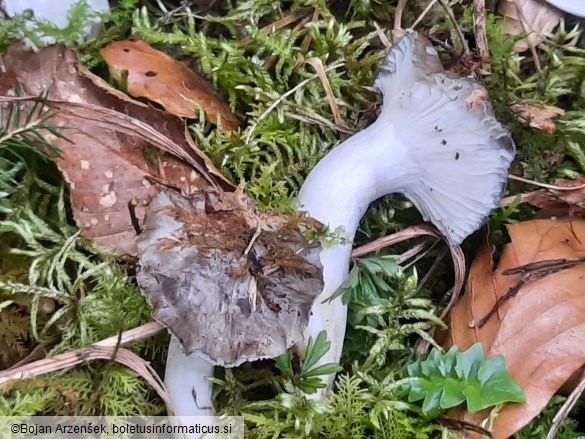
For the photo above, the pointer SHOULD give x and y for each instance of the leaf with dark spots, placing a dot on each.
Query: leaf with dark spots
(151, 74)
(106, 134)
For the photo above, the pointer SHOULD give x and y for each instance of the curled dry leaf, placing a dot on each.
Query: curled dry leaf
(232, 284)
(115, 148)
(528, 17)
(154, 75)
(538, 115)
(539, 324)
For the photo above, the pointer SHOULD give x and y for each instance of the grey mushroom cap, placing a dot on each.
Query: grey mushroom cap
(222, 302)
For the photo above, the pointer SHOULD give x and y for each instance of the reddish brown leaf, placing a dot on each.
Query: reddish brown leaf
(568, 202)
(156, 76)
(116, 144)
(539, 329)
(538, 115)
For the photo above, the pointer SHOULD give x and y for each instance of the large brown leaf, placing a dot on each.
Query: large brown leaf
(540, 328)
(116, 147)
(154, 75)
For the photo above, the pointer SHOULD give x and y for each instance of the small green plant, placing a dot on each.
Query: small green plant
(307, 377)
(367, 280)
(384, 314)
(443, 381)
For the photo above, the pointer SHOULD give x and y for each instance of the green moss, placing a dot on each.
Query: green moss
(44, 262)
(541, 425)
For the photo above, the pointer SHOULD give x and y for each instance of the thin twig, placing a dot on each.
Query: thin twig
(421, 255)
(423, 14)
(281, 23)
(412, 252)
(547, 186)
(308, 38)
(400, 259)
(457, 424)
(528, 30)
(133, 335)
(429, 273)
(383, 38)
(523, 198)
(395, 238)
(398, 15)
(530, 272)
(278, 101)
(317, 64)
(564, 411)
(92, 352)
(459, 267)
(456, 26)
(314, 120)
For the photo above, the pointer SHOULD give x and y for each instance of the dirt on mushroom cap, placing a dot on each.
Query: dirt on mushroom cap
(232, 284)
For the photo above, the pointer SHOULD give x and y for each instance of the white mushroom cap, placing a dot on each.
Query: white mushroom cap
(575, 7)
(462, 152)
(55, 12)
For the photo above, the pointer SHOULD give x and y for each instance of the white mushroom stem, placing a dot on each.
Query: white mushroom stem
(338, 192)
(436, 141)
(55, 11)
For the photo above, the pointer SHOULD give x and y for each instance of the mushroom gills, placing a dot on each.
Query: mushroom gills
(461, 151)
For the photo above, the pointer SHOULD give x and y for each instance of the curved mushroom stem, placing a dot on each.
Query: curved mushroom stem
(338, 192)
(187, 381)
(332, 318)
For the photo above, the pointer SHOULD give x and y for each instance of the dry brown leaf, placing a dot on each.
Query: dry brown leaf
(317, 64)
(156, 76)
(231, 283)
(566, 202)
(538, 115)
(539, 329)
(528, 17)
(109, 159)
